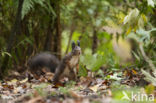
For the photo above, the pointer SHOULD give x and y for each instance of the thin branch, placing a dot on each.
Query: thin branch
(147, 59)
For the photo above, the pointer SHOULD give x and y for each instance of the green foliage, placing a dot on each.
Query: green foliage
(3, 53)
(25, 41)
(64, 90)
(114, 77)
(149, 77)
(2, 41)
(131, 17)
(134, 18)
(149, 89)
(29, 5)
(150, 3)
(65, 38)
(104, 56)
(93, 62)
(82, 70)
(67, 88)
(142, 35)
(40, 89)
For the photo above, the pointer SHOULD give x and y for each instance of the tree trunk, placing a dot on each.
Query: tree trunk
(70, 37)
(94, 38)
(58, 36)
(48, 41)
(27, 32)
(12, 37)
(95, 41)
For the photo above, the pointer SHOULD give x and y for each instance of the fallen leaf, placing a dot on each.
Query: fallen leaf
(94, 88)
(12, 82)
(135, 72)
(24, 80)
(74, 95)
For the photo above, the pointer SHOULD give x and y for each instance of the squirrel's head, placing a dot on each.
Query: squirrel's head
(76, 50)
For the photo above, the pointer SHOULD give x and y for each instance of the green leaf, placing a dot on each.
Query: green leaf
(27, 6)
(149, 77)
(136, 56)
(82, 71)
(5, 53)
(132, 16)
(150, 3)
(28, 41)
(144, 35)
(115, 77)
(141, 22)
(93, 62)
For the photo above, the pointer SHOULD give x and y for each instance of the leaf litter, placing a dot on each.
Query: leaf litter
(87, 89)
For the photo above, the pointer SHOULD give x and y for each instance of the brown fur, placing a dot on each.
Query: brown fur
(67, 65)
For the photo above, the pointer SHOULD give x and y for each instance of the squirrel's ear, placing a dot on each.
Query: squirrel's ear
(73, 45)
(78, 42)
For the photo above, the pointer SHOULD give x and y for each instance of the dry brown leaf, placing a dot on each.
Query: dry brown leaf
(109, 92)
(134, 71)
(12, 82)
(49, 75)
(74, 95)
(24, 80)
(35, 100)
(94, 88)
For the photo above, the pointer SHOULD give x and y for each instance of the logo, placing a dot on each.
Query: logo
(125, 96)
(137, 96)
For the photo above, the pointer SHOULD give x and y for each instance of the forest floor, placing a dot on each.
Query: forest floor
(114, 87)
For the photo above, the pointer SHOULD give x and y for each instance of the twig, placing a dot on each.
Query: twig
(147, 59)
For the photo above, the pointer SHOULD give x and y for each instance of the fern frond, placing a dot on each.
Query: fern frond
(29, 4)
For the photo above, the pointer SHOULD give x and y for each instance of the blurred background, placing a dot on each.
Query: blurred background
(114, 34)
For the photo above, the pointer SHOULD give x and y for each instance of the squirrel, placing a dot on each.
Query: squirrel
(64, 68)
(67, 66)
